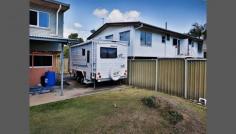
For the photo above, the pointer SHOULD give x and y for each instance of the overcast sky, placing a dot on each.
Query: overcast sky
(85, 15)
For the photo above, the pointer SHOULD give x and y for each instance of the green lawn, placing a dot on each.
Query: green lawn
(98, 114)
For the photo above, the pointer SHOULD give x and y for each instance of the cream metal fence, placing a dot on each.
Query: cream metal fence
(175, 76)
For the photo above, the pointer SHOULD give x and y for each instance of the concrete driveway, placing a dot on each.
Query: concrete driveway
(74, 89)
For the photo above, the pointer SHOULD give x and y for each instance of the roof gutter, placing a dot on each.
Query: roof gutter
(57, 26)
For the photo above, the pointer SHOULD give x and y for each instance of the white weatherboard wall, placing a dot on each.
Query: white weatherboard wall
(158, 49)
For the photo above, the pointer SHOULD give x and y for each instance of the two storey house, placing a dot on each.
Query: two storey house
(46, 37)
(148, 41)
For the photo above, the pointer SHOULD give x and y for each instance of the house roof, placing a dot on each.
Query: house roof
(141, 25)
(51, 4)
(54, 39)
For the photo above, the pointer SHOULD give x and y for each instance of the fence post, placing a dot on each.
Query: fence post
(185, 77)
(129, 71)
(156, 75)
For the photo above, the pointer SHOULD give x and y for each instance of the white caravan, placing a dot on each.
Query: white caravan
(99, 60)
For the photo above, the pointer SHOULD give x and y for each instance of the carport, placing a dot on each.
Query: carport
(52, 44)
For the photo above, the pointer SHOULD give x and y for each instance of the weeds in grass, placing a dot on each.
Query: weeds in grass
(172, 116)
(166, 109)
(150, 101)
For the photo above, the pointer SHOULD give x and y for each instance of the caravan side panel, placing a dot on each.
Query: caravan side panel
(81, 59)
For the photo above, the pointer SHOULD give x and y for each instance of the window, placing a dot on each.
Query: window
(163, 39)
(107, 52)
(33, 18)
(43, 19)
(190, 42)
(205, 54)
(175, 42)
(199, 47)
(42, 60)
(83, 52)
(88, 56)
(146, 38)
(30, 62)
(168, 37)
(109, 37)
(125, 36)
(39, 18)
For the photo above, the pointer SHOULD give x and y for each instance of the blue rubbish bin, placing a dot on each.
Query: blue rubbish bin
(50, 77)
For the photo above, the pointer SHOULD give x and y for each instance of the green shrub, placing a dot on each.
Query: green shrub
(172, 116)
(150, 101)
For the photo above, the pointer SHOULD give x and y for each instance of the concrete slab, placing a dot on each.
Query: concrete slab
(73, 90)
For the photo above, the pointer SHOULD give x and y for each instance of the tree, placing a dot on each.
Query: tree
(198, 31)
(75, 36)
(71, 36)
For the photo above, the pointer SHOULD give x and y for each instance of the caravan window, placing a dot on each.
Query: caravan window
(83, 52)
(88, 56)
(107, 52)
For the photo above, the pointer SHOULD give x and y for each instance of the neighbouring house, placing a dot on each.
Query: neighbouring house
(46, 37)
(148, 41)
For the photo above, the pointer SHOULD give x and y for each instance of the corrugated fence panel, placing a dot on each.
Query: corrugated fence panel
(142, 73)
(58, 65)
(170, 78)
(168, 75)
(196, 79)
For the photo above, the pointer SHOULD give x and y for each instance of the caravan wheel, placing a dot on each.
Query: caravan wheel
(82, 80)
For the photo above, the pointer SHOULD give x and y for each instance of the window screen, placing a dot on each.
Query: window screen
(33, 18)
(42, 60)
(106, 52)
(43, 19)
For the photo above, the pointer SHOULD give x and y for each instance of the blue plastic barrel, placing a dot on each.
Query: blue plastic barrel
(51, 78)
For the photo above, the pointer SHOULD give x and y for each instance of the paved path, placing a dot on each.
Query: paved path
(72, 91)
